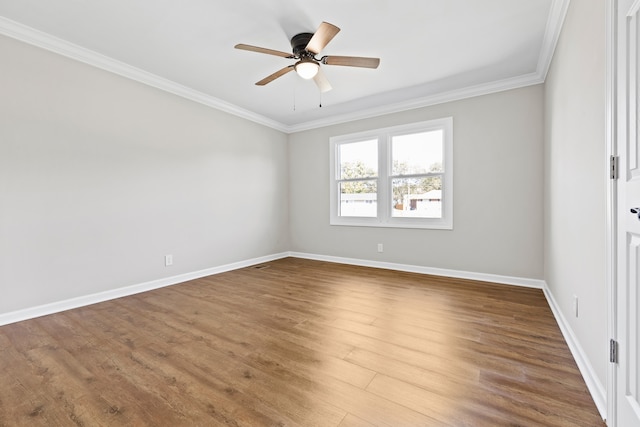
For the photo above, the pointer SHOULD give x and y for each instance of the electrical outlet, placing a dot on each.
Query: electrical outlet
(168, 260)
(380, 247)
(575, 305)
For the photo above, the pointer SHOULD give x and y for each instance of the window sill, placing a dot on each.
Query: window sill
(361, 222)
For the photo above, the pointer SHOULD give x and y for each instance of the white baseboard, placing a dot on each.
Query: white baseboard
(56, 307)
(484, 277)
(596, 388)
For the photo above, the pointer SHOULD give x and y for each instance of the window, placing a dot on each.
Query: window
(394, 177)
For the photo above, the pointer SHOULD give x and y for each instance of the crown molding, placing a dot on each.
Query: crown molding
(435, 99)
(552, 32)
(46, 41)
(555, 21)
(62, 47)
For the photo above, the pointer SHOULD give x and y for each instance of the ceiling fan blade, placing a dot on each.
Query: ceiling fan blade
(275, 75)
(352, 61)
(322, 37)
(322, 82)
(263, 50)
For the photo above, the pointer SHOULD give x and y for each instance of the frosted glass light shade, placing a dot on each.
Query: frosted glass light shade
(307, 69)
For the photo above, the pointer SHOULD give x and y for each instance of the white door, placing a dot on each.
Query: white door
(627, 321)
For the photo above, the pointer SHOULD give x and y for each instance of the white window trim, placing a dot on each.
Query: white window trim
(385, 218)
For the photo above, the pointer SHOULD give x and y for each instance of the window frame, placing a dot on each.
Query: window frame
(384, 179)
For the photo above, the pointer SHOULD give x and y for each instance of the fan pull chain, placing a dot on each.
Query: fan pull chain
(320, 99)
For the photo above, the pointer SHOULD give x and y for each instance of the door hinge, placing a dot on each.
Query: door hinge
(613, 351)
(613, 167)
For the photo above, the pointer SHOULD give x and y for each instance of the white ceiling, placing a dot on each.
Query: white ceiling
(430, 50)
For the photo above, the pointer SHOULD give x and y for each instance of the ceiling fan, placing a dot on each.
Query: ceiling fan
(305, 48)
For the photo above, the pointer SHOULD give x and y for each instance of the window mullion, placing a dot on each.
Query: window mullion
(382, 178)
(366, 178)
(418, 175)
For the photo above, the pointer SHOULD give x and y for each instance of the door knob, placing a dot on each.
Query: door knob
(636, 211)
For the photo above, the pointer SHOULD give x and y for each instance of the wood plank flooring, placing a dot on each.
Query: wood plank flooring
(298, 343)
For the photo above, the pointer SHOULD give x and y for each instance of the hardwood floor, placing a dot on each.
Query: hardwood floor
(298, 343)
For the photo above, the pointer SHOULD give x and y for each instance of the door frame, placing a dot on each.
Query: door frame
(611, 215)
(612, 144)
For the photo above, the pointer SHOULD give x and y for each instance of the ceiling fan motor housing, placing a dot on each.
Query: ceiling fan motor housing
(305, 48)
(299, 44)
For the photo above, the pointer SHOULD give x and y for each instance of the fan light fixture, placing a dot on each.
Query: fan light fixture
(305, 47)
(307, 68)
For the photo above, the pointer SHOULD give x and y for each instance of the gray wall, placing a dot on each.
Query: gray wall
(498, 210)
(100, 177)
(575, 177)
